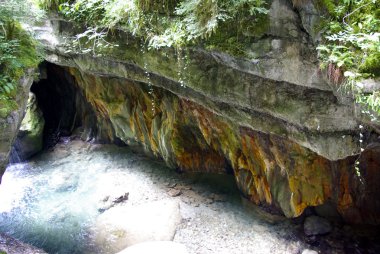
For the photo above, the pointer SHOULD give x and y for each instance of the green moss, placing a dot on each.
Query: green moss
(371, 64)
(236, 36)
(6, 107)
(19, 53)
(328, 5)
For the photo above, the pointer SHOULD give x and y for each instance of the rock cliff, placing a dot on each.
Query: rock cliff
(270, 118)
(10, 120)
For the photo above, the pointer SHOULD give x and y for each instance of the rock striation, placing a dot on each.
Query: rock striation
(271, 118)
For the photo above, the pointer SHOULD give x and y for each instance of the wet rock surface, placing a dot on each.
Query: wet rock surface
(269, 169)
(125, 225)
(10, 121)
(271, 118)
(63, 189)
(315, 225)
(29, 139)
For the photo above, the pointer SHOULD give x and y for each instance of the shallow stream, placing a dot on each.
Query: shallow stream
(55, 202)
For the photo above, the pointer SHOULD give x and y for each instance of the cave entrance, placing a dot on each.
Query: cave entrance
(60, 101)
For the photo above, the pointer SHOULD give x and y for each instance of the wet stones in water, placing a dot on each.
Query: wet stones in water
(121, 198)
(315, 225)
(174, 192)
(109, 202)
(123, 226)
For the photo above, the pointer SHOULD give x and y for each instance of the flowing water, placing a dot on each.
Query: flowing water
(55, 200)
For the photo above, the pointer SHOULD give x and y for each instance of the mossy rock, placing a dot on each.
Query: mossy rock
(30, 137)
(371, 65)
(6, 107)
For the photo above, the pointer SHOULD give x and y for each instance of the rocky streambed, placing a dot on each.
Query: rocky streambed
(90, 198)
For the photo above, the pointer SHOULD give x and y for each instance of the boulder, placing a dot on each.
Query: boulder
(126, 225)
(315, 225)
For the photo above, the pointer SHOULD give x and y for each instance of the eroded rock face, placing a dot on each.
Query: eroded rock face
(270, 118)
(270, 170)
(278, 88)
(10, 123)
(30, 137)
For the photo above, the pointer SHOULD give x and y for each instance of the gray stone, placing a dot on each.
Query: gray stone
(369, 85)
(123, 226)
(311, 17)
(174, 192)
(315, 225)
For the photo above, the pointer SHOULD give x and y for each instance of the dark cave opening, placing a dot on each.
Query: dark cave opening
(61, 102)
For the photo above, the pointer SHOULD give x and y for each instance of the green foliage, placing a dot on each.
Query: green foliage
(352, 36)
(92, 40)
(49, 5)
(17, 50)
(371, 64)
(167, 23)
(371, 101)
(352, 44)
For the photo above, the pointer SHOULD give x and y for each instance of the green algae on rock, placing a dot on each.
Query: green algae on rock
(30, 137)
(9, 125)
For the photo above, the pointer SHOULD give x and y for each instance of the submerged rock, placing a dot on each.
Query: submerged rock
(315, 225)
(123, 226)
(174, 192)
(9, 245)
(109, 202)
(30, 137)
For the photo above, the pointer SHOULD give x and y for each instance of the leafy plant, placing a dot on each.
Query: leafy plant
(165, 23)
(92, 40)
(17, 48)
(50, 4)
(351, 46)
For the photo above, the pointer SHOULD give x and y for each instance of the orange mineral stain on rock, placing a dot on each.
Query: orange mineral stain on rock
(269, 169)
